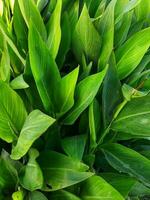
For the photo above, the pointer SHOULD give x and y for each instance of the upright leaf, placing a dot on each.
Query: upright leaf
(129, 55)
(125, 160)
(86, 40)
(106, 30)
(85, 92)
(30, 12)
(12, 113)
(97, 188)
(43, 67)
(54, 30)
(35, 125)
(30, 176)
(143, 10)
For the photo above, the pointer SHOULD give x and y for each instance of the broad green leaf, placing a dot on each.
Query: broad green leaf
(20, 27)
(129, 55)
(8, 173)
(106, 30)
(36, 195)
(8, 38)
(85, 92)
(86, 40)
(134, 117)
(63, 93)
(12, 113)
(30, 12)
(121, 183)
(43, 67)
(35, 125)
(5, 65)
(111, 93)
(54, 30)
(19, 83)
(96, 188)
(61, 171)
(125, 160)
(63, 195)
(143, 10)
(65, 41)
(94, 122)
(139, 190)
(74, 146)
(30, 176)
(19, 195)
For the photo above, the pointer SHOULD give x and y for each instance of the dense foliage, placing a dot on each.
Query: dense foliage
(74, 99)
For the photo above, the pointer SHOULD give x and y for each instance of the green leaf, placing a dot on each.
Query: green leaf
(63, 171)
(86, 40)
(19, 83)
(35, 125)
(30, 176)
(19, 195)
(106, 30)
(125, 160)
(130, 54)
(12, 113)
(134, 117)
(142, 10)
(94, 122)
(122, 183)
(96, 188)
(30, 12)
(20, 27)
(74, 146)
(63, 195)
(43, 67)
(63, 92)
(37, 195)
(54, 30)
(111, 94)
(85, 92)
(139, 190)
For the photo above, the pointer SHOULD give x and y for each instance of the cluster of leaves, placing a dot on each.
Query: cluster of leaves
(74, 99)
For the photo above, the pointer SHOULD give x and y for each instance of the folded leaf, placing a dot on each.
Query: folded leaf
(129, 55)
(125, 160)
(61, 171)
(43, 67)
(54, 30)
(30, 176)
(37, 195)
(85, 92)
(19, 83)
(12, 113)
(134, 117)
(35, 125)
(96, 188)
(30, 12)
(86, 40)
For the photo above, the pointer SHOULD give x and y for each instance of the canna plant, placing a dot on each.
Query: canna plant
(74, 99)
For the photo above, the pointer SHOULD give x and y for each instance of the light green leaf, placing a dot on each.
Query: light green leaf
(12, 113)
(19, 83)
(44, 68)
(85, 92)
(96, 188)
(74, 146)
(130, 54)
(30, 12)
(61, 171)
(19, 195)
(35, 125)
(143, 10)
(36, 195)
(134, 118)
(64, 195)
(30, 176)
(54, 30)
(106, 30)
(125, 160)
(63, 92)
(86, 40)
